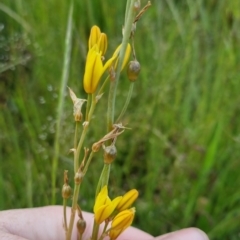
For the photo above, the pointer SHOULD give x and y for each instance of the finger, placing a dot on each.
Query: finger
(185, 234)
(134, 233)
(34, 223)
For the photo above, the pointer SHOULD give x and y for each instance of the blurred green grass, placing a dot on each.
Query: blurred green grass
(183, 150)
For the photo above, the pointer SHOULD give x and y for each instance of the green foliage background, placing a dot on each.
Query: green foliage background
(182, 153)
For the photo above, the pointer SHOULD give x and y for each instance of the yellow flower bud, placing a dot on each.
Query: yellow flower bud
(102, 43)
(99, 39)
(102, 198)
(94, 36)
(94, 69)
(105, 211)
(126, 56)
(127, 200)
(122, 221)
(133, 70)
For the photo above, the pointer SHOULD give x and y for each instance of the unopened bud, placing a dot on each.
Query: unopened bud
(78, 177)
(81, 226)
(133, 70)
(96, 146)
(110, 153)
(66, 191)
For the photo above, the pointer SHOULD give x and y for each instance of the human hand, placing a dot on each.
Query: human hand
(46, 223)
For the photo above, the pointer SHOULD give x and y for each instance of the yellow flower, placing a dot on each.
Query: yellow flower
(104, 207)
(122, 221)
(126, 56)
(94, 69)
(127, 200)
(98, 38)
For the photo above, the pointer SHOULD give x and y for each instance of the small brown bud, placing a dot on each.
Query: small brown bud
(78, 177)
(66, 191)
(133, 70)
(110, 153)
(81, 226)
(96, 146)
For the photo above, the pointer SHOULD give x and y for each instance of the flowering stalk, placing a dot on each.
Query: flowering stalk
(76, 166)
(113, 85)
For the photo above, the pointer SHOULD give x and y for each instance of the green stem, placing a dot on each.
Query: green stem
(65, 215)
(103, 85)
(65, 75)
(87, 163)
(130, 91)
(113, 85)
(73, 211)
(95, 231)
(104, 231)
(104, 177)
(84, 132)
(76, 164)
(88, 106)
(75, 145)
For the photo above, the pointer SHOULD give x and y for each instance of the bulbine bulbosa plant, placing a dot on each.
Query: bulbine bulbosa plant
(114, 215)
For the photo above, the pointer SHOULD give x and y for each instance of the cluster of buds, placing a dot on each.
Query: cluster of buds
(118, 211)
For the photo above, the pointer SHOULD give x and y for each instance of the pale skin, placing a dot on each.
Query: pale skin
(47, 223)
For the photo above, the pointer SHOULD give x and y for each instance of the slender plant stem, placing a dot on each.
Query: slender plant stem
(76, 164)
(105, 176)
(87, 163)
(95, 231)
(113, 85)
(76, 135)
(88, 107)
(103, 85)
(79, 147)
(130, 91)
(73, 212)
(103, 180)
(75, 145)
(84, 132)
(65, 215)
(65, 75)
(104, 231)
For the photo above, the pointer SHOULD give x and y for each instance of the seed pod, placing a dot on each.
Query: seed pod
(133, 70)
(66, 191)
(78, 177)
(110, 153)
(81, 226)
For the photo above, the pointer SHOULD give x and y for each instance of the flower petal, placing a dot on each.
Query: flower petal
(126, 56)
(94, 36)
(127, 200)
(102, 198)
(122, 221)
(93, 70)
(105, 211)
